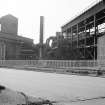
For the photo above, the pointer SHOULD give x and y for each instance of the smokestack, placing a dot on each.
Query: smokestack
(41, 36)
(41, 29)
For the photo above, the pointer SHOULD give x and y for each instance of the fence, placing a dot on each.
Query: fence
(50, 63)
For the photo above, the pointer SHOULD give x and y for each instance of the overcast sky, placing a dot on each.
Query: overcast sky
(55, 12)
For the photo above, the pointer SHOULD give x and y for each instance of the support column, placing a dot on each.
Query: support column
(2, 50)
(85, 41)
(77, 37)
(95, 37)
(71, 37)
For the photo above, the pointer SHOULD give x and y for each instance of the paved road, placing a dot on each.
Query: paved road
(56, 87)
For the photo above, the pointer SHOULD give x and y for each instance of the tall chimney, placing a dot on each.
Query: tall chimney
(41, 36)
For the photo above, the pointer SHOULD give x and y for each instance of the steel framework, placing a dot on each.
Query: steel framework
(84, 30)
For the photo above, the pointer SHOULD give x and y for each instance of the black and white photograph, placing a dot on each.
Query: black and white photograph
(52, 52)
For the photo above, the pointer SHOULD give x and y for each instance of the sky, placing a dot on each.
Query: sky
(56, 13)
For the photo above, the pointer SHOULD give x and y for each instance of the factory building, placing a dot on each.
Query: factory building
(86, 33)
(13, 46)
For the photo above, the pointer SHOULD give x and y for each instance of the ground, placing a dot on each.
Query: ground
(60, 88)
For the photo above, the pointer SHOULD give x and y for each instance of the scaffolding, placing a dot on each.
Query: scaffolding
(84, 30)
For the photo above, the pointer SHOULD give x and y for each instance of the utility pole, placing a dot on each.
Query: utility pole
(41, 37)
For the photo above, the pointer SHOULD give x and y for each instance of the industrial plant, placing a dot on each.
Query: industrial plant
(82, 38)
(13, 46)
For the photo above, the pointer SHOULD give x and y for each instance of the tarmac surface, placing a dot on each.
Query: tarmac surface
(61, 89)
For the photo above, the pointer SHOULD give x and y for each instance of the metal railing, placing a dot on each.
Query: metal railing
(50, 63)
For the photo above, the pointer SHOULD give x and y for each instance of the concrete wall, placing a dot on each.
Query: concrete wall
(101, 48)
(12, 51)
